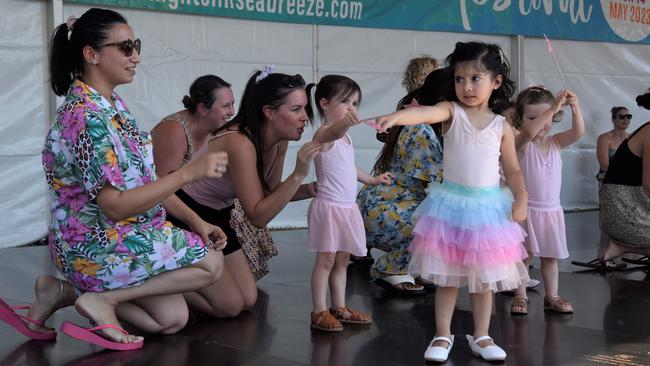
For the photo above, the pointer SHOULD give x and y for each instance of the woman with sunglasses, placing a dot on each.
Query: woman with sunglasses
(609, 141)
(271, 113)
(108, 235)
(625, 195)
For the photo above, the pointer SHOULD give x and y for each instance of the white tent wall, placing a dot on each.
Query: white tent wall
(24, 101)
(177, 48)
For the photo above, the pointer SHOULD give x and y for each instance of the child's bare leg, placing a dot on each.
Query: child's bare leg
(481, 312)
(445, 304)
(551, 276)
(338, 279)
(319, 279)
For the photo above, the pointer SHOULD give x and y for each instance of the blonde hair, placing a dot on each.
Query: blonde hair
(416, 71)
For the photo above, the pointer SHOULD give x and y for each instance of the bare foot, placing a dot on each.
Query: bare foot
(50, 297)
(95, 306)
(612, 251)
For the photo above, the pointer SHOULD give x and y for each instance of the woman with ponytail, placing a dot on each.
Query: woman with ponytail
(108, 235)
(271, 113)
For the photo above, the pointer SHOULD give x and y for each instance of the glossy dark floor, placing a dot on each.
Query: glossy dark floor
(611, 324)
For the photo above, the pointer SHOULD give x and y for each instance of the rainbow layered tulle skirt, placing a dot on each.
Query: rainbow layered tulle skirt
(464, 236)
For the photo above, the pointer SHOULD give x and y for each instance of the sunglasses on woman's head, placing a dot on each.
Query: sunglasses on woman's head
(624, 116)
(126, 46)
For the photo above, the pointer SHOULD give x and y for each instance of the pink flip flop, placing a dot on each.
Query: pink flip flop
(88, 335)
(19, 322)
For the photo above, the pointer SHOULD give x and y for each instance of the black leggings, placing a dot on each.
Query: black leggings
(220, 218)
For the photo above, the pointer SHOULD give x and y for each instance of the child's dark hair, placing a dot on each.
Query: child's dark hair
(530, 96)
(643, 100)
(66, 54)
(202, 91)
(435, 89)
(489, 57)
(270, 91)
(328, 88)
(617, 109)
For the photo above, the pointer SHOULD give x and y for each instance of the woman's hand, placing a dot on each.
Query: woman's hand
(212, 165)
(305, 157)
(212, 235)
(383, 178)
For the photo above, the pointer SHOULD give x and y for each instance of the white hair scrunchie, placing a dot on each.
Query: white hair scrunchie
(266, 71)
(70, 22)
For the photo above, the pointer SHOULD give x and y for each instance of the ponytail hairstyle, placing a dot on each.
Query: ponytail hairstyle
(66, 46)
(261, 91)
(332, 88)
(434, 90)
(533, 95)
(202, 91)
(490, 58)
(643, 100)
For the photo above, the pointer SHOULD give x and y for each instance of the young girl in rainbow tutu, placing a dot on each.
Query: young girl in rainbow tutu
(465, 230)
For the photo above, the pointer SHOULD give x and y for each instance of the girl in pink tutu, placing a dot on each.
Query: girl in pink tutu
(541, 164)
(335, 223)
(464, 232)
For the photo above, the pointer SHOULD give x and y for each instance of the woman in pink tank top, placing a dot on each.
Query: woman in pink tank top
(335, 224)
(272, 113)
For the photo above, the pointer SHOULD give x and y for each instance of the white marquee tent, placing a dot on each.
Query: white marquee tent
(177, 48)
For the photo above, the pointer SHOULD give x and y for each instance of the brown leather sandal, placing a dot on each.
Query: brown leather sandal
(325, 321)
(346, 315)
(519, 306)
(557, 304)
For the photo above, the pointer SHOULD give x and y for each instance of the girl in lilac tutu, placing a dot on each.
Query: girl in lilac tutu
(541, 164)
(335, 223)
(465, 234)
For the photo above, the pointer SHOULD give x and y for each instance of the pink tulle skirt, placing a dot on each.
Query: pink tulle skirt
(463, 236)
(335, 227)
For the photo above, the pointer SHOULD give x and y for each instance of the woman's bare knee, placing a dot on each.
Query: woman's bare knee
(250, 299)
(212, 264)
(174, 321)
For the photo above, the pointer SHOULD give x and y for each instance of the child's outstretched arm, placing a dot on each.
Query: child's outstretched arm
(528, 131)
(365, 178)
(572, 135)
(329, 132)
(513, 175)
(440, 112)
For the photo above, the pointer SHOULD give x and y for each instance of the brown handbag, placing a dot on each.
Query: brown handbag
(257, 244)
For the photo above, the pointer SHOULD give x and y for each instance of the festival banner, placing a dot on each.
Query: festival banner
(626, 21)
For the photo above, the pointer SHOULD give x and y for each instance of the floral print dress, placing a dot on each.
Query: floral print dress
(92, 144)
(387, 210)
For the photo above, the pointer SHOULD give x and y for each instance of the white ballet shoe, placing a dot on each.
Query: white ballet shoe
(489, 353)
(438, 354)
